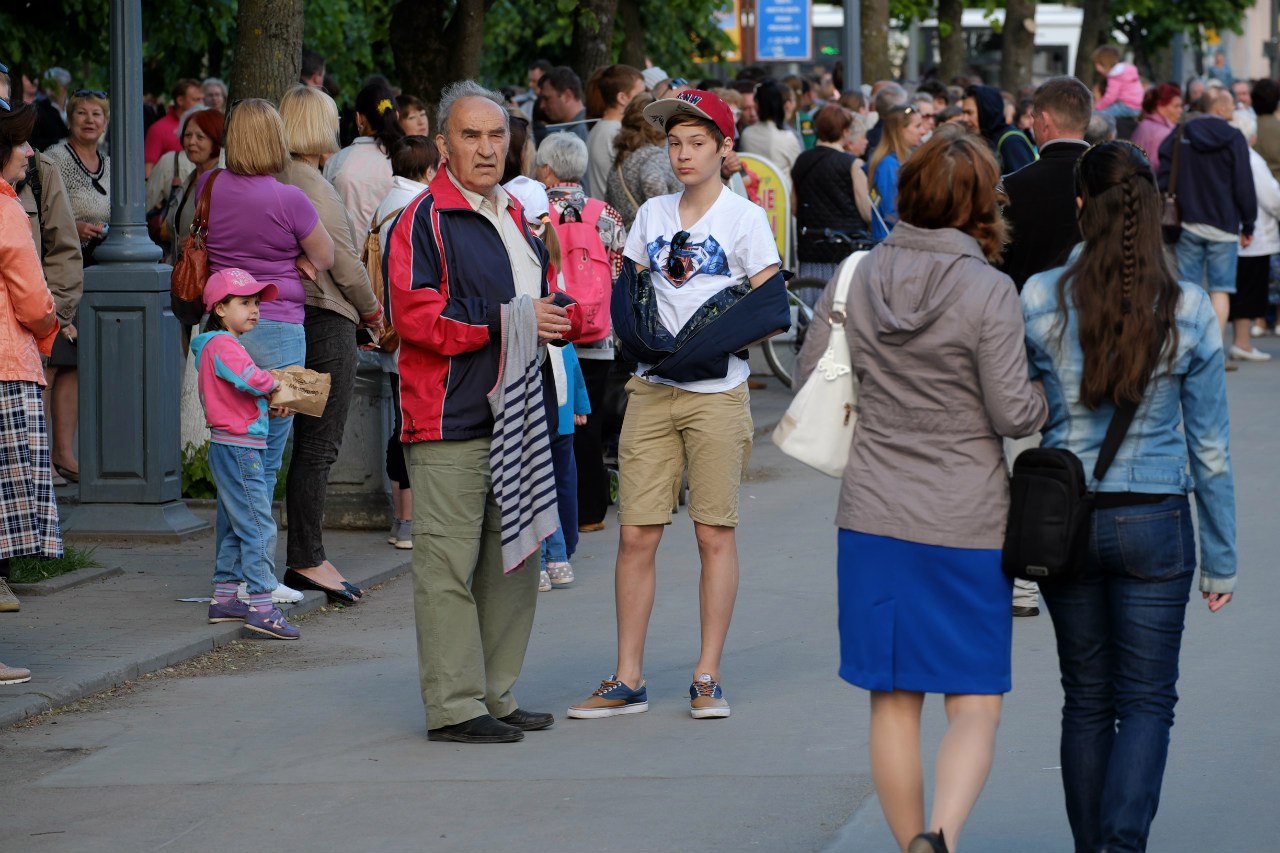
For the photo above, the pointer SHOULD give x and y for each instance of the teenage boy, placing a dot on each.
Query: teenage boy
(691, 259)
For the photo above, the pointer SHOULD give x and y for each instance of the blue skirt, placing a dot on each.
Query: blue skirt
(922, 617)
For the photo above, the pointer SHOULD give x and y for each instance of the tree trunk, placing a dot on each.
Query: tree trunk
(1093, 28)
(268, 52)
(592, 44)
(430, 53)
(875, 40)
(632, 52)
(951, 45)
(1018, 44)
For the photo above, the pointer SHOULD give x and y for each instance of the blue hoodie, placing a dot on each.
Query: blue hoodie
(1215, 181)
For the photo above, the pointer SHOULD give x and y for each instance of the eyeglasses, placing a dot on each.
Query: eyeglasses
(4, 105)
(89, 93)
(675, 264)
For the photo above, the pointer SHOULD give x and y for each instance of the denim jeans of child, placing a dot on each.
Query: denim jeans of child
(553, 549)
(246, 530)
(1119, 631)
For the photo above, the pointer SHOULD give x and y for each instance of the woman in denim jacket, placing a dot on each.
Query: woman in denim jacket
(1115, 325)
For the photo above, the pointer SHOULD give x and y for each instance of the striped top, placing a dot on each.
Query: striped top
(524, 481)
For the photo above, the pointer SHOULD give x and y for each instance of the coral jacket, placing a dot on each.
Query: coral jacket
(28, 324)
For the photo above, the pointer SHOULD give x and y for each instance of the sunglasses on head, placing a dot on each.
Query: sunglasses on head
(88, 93)
(4, 105)
(675, 265)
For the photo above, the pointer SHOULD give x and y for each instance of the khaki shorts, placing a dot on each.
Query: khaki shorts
(666, 427)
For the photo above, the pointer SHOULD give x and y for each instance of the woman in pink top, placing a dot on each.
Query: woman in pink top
(28, 326)
(270, 231)
(1161, 111)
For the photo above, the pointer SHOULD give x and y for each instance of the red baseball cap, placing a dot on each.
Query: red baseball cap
(236, 282)
(695, 102)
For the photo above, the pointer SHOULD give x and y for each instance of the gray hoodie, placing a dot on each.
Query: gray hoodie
(936, 338)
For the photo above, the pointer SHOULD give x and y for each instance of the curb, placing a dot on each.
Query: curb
(70, 580)
(183, 650)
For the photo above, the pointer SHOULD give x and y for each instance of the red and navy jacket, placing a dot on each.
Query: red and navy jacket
(447, 276)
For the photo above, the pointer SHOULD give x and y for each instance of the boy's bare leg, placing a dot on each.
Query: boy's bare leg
(634, 583)
(718, 590)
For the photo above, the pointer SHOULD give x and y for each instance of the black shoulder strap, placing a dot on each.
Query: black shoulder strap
(1116, 431)
(37, 188)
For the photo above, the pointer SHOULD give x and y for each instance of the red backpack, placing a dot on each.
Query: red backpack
(588, 276)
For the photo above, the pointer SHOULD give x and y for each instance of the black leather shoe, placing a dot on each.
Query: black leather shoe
(1025, 610)
(529, 721)
(482, 729)
(297, 580)
(353, 589)
(928, 842)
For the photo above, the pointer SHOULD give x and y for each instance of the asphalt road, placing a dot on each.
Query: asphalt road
(319, 745)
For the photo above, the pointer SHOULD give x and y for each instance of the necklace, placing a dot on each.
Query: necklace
(95, 177)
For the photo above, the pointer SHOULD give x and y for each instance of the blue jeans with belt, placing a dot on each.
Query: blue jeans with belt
(1119, 630)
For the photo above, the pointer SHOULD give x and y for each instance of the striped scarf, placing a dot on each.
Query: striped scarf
(524, 481)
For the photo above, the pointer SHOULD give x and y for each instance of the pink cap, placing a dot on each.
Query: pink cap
(692, 102)
(235, 282)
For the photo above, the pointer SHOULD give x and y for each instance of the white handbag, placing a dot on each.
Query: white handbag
(817, 428)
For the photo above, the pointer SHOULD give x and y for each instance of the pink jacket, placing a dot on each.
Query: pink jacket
(233, 390)
(1123, 85)
(28, 324)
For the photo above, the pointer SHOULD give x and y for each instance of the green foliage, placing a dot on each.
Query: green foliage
(519, 31)
(352, 37)
(36, 569)
(197, 476)
(189, 39)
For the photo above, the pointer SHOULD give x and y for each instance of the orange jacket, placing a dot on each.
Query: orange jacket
(28, 324)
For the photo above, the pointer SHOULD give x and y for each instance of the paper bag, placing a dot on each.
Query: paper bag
(301, 390)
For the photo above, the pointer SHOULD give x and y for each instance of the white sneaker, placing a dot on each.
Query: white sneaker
(280, 595)
(1257, 330)
(544, 582)
(561, 574)
(1249, 354)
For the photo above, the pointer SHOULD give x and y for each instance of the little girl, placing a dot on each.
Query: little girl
(234, 394)
(1123, 94)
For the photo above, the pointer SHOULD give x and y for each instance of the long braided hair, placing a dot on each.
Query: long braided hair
(1122, 288)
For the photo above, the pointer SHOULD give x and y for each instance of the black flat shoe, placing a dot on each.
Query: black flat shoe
(297, 580)
(353, 589)
(529, 721)
(928, 842)
(482, 729)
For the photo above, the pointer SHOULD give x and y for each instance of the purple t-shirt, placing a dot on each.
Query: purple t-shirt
(257, 224)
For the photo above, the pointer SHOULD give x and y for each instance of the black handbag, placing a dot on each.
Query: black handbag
(1051, 503)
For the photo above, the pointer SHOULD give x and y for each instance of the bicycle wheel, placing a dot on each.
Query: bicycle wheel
(780, 351)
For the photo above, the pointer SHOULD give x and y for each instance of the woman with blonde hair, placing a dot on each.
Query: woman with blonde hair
(936, 341)
(338, 301)
(269, 230)
(903, 130)
(641, 167)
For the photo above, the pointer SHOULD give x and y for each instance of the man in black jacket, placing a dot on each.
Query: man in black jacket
(1042, 196)
(1042, 216)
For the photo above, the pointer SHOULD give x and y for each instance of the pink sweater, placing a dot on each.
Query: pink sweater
(1123, 85)
(233, 390)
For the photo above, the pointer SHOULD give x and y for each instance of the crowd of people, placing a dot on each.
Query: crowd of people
(545, 272)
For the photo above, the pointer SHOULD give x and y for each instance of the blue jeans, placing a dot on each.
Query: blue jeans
(1120, 109)
(1206, 263)
(273, 344)
(553, 550)
(1119, 629)
(246, 530)
(566, 489)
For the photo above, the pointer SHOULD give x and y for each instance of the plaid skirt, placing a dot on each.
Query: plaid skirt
(28, 511)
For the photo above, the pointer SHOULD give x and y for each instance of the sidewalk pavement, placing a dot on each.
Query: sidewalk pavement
(88, 639)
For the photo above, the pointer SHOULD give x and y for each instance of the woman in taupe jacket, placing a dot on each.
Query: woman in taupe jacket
(936, 338)
(338, 301)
